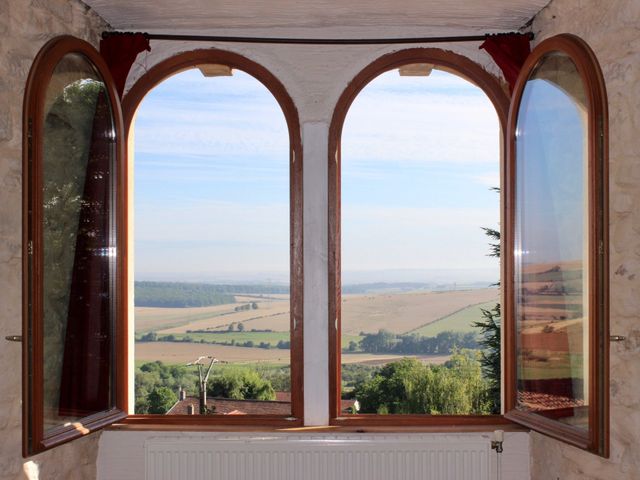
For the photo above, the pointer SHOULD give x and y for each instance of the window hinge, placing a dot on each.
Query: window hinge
(30, 247)
(601, 248)
(335, 324)
(293, 156)
(295, 323)
(336, 157)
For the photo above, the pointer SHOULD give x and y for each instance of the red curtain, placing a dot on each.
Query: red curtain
(509, 51)
(85, 386)
(120, 51)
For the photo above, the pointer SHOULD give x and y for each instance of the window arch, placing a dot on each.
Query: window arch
(198, 58)
(443, 60)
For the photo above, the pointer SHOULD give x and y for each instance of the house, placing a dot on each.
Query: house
(311, 80)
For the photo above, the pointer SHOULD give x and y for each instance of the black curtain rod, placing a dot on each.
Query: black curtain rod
(314, 41)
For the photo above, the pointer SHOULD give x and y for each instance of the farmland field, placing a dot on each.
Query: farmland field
(397, 312)
(460, 321)
(181, 353)
(406, 312)
(265, 319)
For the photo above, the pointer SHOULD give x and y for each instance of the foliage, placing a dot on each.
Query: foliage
(184, 294)
(490, 356)
(409, 387)
(354, 374)
(415, 344)
(179, 295)
(160, 400)
(241, 384)
(490, 334)
(153, 376)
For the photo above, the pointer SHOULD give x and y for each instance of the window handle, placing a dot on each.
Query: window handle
(13, 338)
(617, 338)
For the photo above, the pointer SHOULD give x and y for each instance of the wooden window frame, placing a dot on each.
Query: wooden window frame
(596, 439)
(458, 65)
(157, 74)
(34, 438)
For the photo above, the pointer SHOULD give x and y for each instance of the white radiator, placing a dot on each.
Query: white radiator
(370, 457)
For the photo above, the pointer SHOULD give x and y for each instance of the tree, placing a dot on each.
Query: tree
(231, 327)
(160, 400)
(490, 357)
(490, 333)
(241, 384)
(409, 387)
(240, 327)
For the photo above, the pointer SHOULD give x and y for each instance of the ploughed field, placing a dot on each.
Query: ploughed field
(255, 328)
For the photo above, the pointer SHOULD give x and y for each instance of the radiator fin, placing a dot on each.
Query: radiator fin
(406, 457)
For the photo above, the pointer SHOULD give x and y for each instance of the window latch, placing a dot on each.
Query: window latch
(13, 338)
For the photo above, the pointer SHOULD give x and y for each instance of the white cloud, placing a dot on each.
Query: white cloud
(421, 122)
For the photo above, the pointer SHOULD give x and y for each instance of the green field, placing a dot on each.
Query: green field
(460, 321)
(271, 338)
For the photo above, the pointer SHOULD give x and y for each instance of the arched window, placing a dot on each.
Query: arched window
(214, 152)
(557, 336)
(417, 141)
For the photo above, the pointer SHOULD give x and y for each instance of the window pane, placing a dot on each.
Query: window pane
(420, 163)
(212, 247)
(552, 244)
(78, 243)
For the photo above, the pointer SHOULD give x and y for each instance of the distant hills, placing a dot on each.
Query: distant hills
(187, 294)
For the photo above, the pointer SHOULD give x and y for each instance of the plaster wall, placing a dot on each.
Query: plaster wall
(25, 26)
(612, 30)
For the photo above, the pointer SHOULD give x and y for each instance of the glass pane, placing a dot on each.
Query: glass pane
(552, 244)
(78, 243)
(420, 166)
(212, 247)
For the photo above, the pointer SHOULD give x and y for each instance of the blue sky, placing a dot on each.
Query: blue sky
(211, 180)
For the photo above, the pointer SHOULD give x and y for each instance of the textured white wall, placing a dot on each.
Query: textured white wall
(25, 26)
(612, 29)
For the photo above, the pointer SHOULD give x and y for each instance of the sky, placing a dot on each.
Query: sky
(419, 156)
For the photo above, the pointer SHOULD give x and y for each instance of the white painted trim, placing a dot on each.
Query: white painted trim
(316, 275)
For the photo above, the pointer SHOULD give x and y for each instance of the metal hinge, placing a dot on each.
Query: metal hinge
(30, 247)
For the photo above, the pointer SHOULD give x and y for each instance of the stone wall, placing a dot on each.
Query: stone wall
(612, 30)
(25, 26)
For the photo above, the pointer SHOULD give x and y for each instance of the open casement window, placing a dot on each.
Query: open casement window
(556, 330)
(73, 332)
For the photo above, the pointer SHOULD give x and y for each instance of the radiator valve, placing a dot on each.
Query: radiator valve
(498, 438)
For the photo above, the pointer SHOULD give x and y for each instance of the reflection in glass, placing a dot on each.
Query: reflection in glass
(78, 243)
(552, 244)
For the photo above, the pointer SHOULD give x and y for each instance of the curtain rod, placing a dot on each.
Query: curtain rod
(314, 41)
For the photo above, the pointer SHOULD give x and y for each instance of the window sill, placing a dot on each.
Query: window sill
(345, 425)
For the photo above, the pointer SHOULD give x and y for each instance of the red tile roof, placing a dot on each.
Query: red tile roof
(228, 406)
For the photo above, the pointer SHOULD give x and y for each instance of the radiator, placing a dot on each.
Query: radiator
(375, 457)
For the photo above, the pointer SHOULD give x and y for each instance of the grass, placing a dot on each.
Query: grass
(271, 338)
(460, 321)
